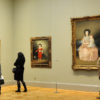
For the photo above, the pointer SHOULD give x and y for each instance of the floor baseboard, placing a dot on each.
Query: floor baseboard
(68, 86)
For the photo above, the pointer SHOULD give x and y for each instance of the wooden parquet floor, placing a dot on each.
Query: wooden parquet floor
(37, 93)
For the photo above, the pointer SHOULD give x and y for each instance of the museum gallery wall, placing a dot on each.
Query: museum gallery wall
(85, 45)
(43, 18)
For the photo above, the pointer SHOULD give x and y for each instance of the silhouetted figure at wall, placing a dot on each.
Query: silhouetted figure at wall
(97, 40)
(1, 79)
(98, 64)
(18, 73)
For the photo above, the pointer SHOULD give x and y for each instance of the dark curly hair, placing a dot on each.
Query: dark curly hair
(88, 31)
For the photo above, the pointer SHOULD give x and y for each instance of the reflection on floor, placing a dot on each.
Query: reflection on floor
(37, 93)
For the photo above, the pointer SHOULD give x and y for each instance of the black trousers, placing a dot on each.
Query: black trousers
(24, 85)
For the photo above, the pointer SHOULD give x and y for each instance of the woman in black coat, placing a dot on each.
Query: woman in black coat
(18, 75)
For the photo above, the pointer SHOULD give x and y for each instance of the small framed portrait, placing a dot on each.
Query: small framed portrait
(41, 52)
(85, 42)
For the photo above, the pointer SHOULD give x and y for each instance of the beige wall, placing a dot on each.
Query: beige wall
(6, 37)
(35, 18)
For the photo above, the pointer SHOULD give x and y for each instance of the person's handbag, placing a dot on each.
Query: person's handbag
(1, 80)
(14, 70)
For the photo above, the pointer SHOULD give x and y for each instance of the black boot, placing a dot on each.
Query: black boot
(0, 89)
(18, 86)
(25, 88)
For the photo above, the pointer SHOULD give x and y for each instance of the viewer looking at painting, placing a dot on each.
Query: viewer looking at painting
(88, 51)
(1, 79)
(98, 64)
(19, 71)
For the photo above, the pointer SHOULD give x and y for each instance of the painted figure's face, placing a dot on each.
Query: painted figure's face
(91, 37)
(40, 46)
(86, 33)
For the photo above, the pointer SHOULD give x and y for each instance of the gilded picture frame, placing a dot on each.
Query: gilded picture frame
(85, 42)
(41, 52)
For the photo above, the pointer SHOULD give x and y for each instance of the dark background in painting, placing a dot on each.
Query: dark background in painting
(45, 49)
(94, 26)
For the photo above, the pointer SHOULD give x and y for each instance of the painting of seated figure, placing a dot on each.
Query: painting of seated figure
(88, 50)
(85, 42)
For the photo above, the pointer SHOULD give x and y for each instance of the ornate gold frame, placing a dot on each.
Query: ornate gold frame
(35, 65)
(74, 65)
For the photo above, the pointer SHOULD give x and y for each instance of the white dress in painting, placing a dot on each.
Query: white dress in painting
(88, 51)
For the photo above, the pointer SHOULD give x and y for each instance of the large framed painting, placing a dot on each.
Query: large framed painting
(86, 42)
(41, 52)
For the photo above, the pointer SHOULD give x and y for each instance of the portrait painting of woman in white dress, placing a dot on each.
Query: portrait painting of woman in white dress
(85, 42)
(88, 50)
